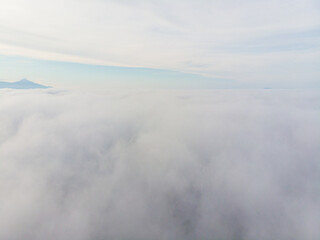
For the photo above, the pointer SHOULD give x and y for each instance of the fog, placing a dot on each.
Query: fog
(129, 165)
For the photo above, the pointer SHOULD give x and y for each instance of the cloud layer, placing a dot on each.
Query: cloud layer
(245, 41)
(159, 165)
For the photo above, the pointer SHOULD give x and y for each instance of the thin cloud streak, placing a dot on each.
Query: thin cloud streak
(167, 35)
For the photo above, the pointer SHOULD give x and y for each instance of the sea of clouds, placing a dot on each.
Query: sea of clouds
(169, 165)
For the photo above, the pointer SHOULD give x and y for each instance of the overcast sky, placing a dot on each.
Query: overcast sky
(248, 43)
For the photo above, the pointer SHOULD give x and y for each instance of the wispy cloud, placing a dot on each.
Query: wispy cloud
(225, 39)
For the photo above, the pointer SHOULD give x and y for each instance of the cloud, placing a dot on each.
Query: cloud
(224, 39)
(159, 165)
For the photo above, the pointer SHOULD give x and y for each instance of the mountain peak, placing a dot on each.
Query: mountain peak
(22, 84)
(24, 80)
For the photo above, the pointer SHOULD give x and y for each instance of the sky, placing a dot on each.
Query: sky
(166, 44)
(166, 120)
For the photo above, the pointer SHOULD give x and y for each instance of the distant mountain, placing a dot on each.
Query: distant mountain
(22, 84)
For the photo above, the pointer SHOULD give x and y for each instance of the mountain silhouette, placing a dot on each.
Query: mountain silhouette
(22, 84)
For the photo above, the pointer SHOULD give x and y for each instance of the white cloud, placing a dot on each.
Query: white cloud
(159, 165)
(165, 34)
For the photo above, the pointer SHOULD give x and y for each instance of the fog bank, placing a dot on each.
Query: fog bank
(224, 164)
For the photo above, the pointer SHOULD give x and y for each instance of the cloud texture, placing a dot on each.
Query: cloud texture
(245, 41)
(159, 165)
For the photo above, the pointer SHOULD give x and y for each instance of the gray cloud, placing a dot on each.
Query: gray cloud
(159, 165)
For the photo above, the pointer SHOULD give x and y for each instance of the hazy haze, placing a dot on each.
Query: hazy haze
(159, 165)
